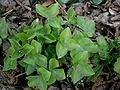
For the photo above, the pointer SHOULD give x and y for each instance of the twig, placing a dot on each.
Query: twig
(20, 75)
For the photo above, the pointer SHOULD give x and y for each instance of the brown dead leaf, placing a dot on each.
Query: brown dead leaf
(48, 2)
(62, 10)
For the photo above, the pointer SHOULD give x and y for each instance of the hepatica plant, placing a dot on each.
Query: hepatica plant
(55, 51)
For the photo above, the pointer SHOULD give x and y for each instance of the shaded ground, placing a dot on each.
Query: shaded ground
(18, 12)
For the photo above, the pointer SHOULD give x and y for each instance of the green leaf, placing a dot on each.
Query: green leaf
(59, 74)
(37, 46)
(65, 35)
(42, 10)
(49, 12)
(23, 37)
(3, 28)
(10, 51)
(81, 56)
(37, 59)
(45, 73)
(29, 69)
(41, 60)
(70, 13)
(26, 49)
(46, 29)
(97, 1)
(50, 52)
(53, 10)
(9, 63)
(54, 22)
(61, 50)
(103, 48)
(15, 44)
(117, 65)
(0, 41)
(102, 43)
(52, 79)
(49, 38)
(84, 23)
(81, 67)
(80, 71)
(37, 81)
(53, 63)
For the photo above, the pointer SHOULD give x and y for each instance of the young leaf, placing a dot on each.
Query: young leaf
(45, 73)
(53, 10)
(3, 28)
(59, 74)
(53, 63)
(42, 10)
(49, 12)
(37, 81)
(54, 22)
(84, 23)
(61, 50)
(65, 35)
(37, 46)
(70, 13)
(117, 66)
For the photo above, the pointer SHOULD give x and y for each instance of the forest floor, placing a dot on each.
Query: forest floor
(106, 16)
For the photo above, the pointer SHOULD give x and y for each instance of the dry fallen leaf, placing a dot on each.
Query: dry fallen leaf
(48, 2)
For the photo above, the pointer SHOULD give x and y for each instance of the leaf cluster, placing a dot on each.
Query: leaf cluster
(44, 49)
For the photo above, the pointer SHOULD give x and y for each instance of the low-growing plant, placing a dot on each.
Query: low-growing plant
(48, 49)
